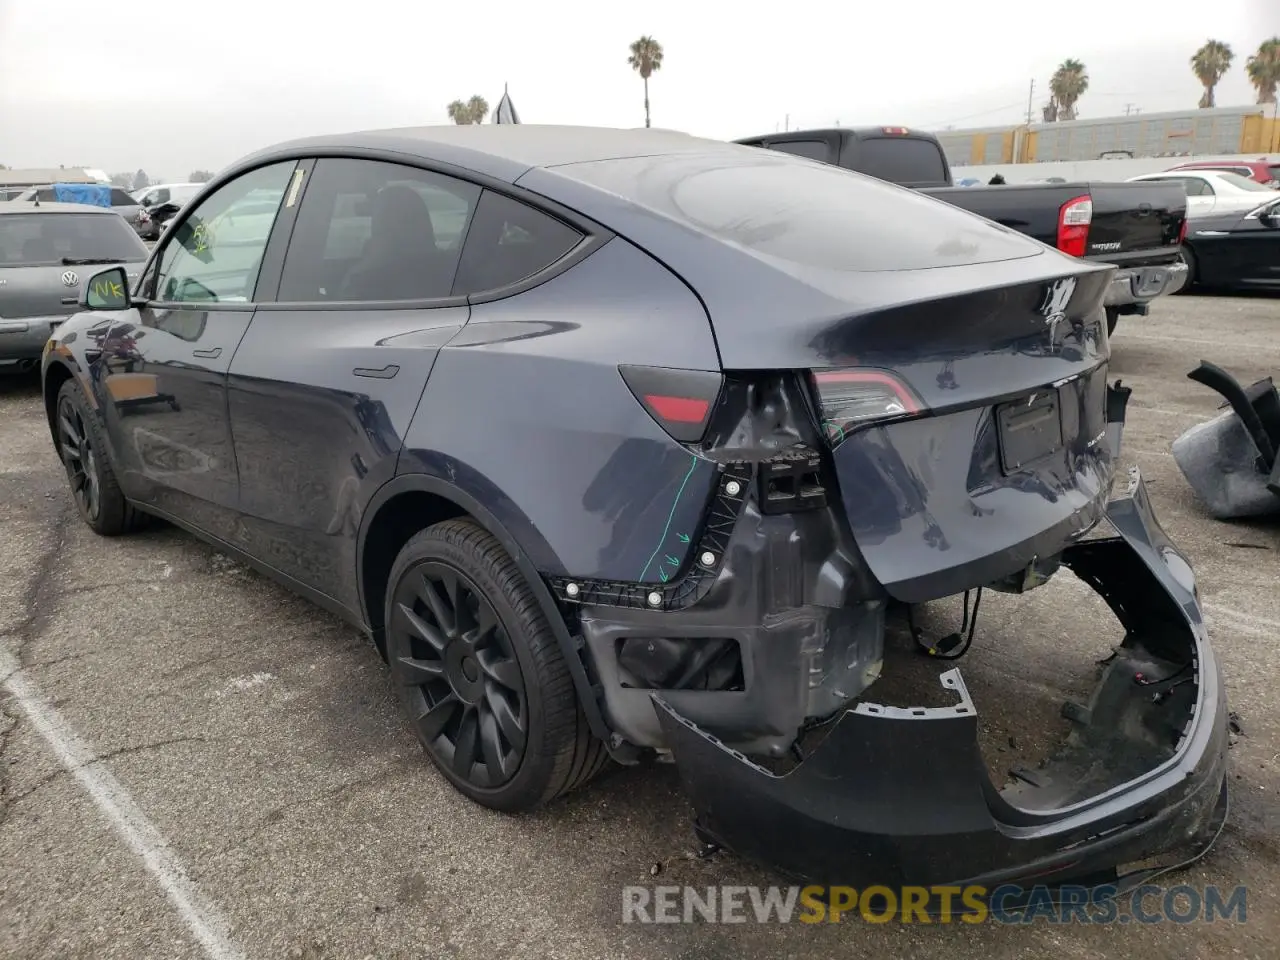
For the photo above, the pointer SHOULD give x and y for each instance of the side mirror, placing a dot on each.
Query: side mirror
(106, 290)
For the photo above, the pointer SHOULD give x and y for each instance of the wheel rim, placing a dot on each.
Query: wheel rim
(455, 666)
(80, 459)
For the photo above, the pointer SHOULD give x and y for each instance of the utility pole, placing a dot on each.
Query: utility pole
(1031, 95)
(786, 124)
(1132, 108)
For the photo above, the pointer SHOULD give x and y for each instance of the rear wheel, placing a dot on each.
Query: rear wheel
(481, 674)
(84, 456)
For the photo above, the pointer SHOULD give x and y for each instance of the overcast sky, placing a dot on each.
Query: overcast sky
(171, 86)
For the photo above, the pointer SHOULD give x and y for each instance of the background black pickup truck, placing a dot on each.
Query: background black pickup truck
(1137, 227)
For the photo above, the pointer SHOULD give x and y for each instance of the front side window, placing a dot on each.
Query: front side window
(121, 199)
(216, 252)
(373, 231)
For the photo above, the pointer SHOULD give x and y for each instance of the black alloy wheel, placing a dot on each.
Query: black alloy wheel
(80, 459)
(453, 657)
(481, 673)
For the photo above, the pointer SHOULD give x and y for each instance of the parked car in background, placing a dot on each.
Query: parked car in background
(1100, 222)
(46, 252)
(121, 202)
(1234, 250)
(1212, 192)
(162, 201)
(621, 443)
(1263, 171)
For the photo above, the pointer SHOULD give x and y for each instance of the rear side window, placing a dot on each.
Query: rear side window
(812, 215)
(369, 230)
(813, 149)
(905, 160)
(509, 241)
(121, 199)
(45, 238)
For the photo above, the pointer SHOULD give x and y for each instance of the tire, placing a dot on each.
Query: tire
(1189, 258)
(475, 687)
(1113, 317)
(92, 478)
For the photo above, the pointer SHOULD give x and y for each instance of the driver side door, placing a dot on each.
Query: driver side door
(165, 361)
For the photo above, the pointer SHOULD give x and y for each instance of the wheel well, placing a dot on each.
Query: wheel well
(395, 522)
(54, 378)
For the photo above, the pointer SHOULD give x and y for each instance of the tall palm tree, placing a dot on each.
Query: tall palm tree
(645, 59)
(1263, 69)
(1068, 84)
(472, 111)
(1209, 64)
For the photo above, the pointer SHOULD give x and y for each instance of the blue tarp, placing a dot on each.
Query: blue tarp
(96, 194)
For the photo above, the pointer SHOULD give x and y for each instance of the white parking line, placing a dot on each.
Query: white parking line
(200, 916)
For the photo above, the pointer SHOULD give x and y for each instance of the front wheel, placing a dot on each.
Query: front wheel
(480, 672)
(89, 472)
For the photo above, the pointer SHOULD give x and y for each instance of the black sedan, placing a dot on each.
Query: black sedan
(621, 443)
(1235, 250)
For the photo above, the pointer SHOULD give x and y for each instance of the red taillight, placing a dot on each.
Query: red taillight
(1182, 231)
(896, 131)
(1074, 218)
(851, 398)
(680, 400)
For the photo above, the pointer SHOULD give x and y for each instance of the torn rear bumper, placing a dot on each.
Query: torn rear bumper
(901, 796)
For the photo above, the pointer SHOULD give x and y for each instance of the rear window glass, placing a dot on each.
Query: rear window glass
(808, 214)
(30, 239)
(901, 160)
(1241, 183)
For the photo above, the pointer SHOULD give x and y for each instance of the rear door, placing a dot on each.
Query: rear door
(332, 368)
(165, 362)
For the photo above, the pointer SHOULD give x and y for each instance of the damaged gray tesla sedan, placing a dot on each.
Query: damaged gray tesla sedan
(622, 443)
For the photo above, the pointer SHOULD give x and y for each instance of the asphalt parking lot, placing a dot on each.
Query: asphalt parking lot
(194, 763)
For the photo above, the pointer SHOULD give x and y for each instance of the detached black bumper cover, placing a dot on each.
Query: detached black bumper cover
(900, 796)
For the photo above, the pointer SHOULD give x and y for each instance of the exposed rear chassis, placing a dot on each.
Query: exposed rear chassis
(900, 796)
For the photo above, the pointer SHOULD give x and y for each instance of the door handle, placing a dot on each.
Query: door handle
(208, 354)
(386, 373)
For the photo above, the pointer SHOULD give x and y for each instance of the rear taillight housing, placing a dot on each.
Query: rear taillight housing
(680, 400)
(1074, 218)
(1182, 231)
(848, 399)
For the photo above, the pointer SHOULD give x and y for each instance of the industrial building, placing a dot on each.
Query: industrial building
(1184, 133)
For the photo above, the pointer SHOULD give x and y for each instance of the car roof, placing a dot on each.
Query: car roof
(50, 206)
(503, 151)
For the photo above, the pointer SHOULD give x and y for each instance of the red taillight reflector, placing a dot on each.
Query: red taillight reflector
(1074, 218)
(678, 409)
(681, 401)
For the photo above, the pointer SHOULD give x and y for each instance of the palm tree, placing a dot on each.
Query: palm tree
(1209, 65)
(1263, 69)
(1068, 84)
(472, 111)
(645, 59)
